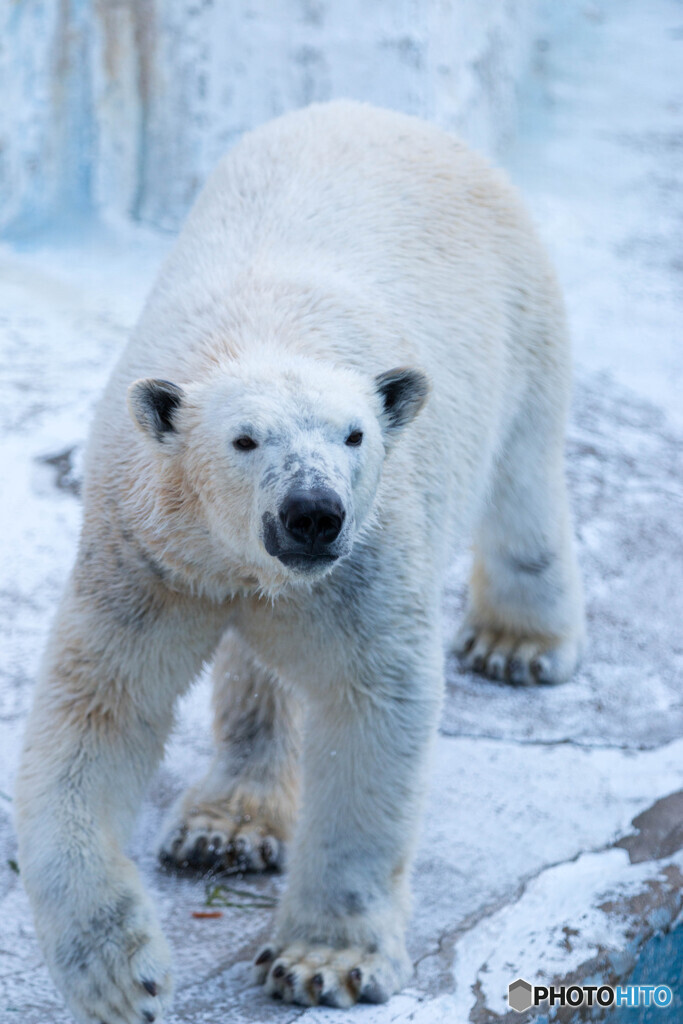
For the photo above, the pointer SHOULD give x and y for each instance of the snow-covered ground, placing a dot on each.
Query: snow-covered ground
(530, 864)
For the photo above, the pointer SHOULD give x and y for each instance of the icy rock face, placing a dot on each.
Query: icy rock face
(124, 105)
(44, 114)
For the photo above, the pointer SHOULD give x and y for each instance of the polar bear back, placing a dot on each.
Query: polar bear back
(416, 230)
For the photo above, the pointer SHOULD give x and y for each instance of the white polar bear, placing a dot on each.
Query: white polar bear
(285, 475)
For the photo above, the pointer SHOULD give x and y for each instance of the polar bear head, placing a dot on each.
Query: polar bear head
(285, 455)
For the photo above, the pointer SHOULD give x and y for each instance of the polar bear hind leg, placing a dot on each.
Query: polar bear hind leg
(524, 620)
(240, 816)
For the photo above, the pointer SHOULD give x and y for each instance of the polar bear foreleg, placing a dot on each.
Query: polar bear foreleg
(340, 931)
(118, 656)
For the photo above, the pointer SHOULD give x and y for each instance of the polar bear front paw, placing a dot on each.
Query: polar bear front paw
(318, 974)
(115, 969)
(522, 661)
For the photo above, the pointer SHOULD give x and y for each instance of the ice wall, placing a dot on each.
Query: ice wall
(124, 105)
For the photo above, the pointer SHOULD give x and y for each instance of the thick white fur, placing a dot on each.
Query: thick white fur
(329, 246)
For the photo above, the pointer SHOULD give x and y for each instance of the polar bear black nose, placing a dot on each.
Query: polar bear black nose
(312, 517)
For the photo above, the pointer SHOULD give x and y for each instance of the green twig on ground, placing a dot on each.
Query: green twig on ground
(220, 896)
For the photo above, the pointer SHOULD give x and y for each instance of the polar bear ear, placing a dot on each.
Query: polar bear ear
(153, 404)
(403, 392)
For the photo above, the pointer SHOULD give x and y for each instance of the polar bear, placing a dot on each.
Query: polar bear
(354, 358)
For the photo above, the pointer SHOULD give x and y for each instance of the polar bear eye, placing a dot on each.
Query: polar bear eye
(244, 443)
(354, 438)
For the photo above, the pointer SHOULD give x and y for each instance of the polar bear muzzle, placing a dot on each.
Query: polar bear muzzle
(309, 522)
(313, 518)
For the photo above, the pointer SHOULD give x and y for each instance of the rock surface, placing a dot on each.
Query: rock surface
(101, 99)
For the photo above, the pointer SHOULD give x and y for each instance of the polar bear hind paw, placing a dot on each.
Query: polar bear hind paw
(313, 975)
(521, 661)
(220, 844)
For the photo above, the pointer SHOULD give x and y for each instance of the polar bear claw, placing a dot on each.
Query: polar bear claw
(322, 975)
(521, 661)
(116, 969)
(221, 845)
